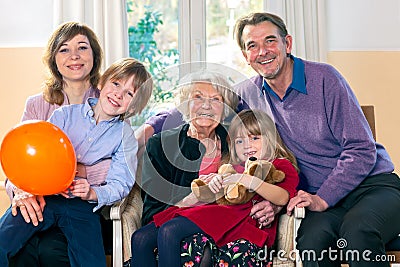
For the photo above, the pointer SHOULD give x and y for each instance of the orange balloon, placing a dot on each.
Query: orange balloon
(38, 158)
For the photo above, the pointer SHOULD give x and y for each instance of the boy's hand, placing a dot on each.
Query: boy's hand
(80, 188)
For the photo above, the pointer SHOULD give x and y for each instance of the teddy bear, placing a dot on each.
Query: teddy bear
(237, 193)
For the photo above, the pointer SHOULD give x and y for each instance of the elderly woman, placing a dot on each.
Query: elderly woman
(175, 157)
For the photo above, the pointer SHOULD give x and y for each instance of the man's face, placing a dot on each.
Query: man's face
(264, 49)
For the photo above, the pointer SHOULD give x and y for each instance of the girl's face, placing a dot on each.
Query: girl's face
(115, 97)
(248, 145)
(205, 106)
(74, 59)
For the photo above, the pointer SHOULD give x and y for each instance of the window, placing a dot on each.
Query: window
(166, 33)
(153, 39)
(221, 44)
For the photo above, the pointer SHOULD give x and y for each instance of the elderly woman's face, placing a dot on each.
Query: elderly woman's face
(205, 106)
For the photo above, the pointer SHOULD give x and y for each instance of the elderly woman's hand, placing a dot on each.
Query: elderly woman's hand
(30, 206)
(265, 212)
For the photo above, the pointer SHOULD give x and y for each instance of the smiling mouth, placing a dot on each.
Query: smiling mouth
(266, 61)
(204, 115)
(115, 104)
(75, 67)
(249, 154)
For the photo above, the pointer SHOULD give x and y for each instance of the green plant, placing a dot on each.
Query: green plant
(143, 46)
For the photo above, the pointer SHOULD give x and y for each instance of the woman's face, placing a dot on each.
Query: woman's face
(74, 59)
(205, 105)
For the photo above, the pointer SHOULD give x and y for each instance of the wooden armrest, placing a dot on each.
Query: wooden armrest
(117, 209)
(299, 213)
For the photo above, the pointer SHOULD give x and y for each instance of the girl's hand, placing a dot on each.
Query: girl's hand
(216, 183)
(208, 177)
(250, 182)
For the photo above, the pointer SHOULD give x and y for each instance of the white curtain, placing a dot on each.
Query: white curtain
(306, 22)
(107, 18)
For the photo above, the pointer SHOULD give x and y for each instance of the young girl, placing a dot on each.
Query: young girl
(238, 236)
(103, 133)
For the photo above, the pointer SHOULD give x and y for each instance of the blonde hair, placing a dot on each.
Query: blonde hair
(257, 122)
(219, 83)
(54, 84)
(142, 82)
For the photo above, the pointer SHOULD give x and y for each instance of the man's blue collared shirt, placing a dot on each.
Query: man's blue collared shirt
(298, 83)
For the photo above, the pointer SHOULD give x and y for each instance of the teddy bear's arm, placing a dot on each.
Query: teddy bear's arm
(189, 201)
(273, 193)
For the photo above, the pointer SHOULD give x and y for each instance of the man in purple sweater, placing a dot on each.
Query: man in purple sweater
(347, 182)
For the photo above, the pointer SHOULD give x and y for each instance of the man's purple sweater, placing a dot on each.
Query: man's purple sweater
(321, 122)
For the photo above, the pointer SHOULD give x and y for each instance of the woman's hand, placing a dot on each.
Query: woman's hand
(264, 212)
(30, 206)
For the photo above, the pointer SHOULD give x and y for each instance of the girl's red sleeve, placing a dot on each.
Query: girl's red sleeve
(291, 180)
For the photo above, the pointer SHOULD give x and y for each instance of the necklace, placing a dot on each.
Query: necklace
(192, 132)
(214, 144)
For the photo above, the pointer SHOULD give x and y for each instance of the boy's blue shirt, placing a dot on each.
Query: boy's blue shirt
(113, 139)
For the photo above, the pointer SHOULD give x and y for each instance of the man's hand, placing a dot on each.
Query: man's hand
(307, 200)
(265, 212)
(30, 206)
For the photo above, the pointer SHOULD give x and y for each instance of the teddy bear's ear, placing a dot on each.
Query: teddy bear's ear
(259, 168)
(266, 167)
(249, 161)
(226, 168)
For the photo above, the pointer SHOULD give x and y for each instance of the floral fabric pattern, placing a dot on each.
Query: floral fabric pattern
(239, 253)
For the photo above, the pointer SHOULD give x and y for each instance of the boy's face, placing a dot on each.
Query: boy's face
(247, 146)
(114, 100)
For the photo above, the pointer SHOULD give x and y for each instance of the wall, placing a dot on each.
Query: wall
(21, 75)
(374, 77)
(364, 44)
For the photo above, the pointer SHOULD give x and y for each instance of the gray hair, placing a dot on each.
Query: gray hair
(217, 80)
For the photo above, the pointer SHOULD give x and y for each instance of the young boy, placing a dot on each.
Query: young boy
(98, 131)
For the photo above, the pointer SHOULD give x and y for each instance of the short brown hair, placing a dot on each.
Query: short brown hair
(142, 82)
